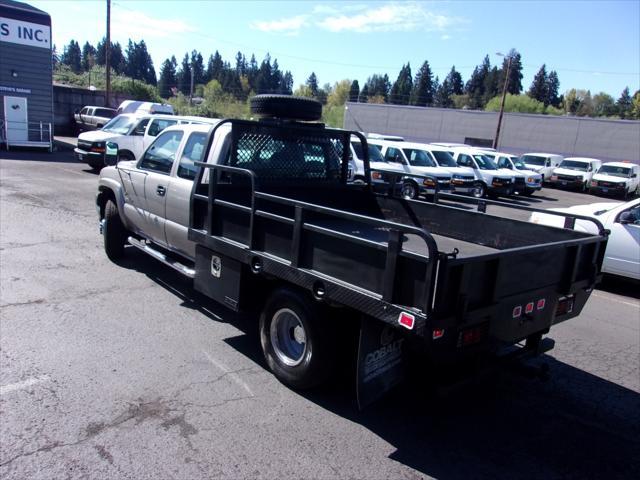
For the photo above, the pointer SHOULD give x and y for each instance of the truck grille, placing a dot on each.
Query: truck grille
(568, 178)
(520, 181)
(84, 145)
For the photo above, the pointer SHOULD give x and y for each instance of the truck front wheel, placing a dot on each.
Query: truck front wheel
(113, 231)
(295, 340)
(410, 190)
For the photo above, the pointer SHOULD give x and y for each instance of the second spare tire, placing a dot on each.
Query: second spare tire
(286, 106)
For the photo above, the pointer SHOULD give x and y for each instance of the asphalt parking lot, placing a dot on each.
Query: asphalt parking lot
(124, 371)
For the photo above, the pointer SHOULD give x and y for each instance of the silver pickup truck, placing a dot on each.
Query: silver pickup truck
(93, 118)
(262, 216)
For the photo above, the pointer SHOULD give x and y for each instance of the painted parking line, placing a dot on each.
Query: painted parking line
(12, 387)
(610, 298)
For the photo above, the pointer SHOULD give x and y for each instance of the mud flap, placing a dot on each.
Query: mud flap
(381, 361)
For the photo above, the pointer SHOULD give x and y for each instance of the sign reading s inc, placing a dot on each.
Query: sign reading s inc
(25, 33)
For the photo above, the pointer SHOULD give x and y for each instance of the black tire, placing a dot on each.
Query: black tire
(299, 365)
(286, 106)
(410, 190)
(113, 231)
(528, 193)
(479, 190)
(359, 181)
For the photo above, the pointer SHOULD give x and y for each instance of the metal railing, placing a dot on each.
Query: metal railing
(39, 134)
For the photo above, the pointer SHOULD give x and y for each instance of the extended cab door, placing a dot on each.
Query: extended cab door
(179, 194)
(622, 256)
(154, 172)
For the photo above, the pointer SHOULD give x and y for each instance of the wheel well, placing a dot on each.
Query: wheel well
(105, 195)
(128, 153)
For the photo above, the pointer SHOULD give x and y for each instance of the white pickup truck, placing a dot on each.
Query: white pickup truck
(616, 178)
(132, 132)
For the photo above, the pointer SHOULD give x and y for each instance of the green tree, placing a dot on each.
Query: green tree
(72, 56)
(378, 86)
(454, 79)
(339, 93)
(443, 94)
(354, 91)
(516, 103)
(312, 83)
(586, 106)
(116, 56)
(422, 93)
(364, 94)
(476, 86)
(515, 72)
(552, 88)
(635, 105)
(538, 89)
(197, 65)
(214, 67)
(604, 105)
(625, 104)
(168, 78)
(184, 75)
(402, 87)
(88, 56)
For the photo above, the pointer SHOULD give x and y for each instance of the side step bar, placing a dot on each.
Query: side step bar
(183, 269)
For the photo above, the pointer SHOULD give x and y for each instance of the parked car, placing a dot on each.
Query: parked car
(92, 118)
(575, 173)
(132, 132)
(616, 178)
(415, 159)
(526, 181)
(489, 180)
(622, 255)
(542, 163)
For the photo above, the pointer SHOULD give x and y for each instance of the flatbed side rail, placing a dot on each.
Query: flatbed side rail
(394, 244)
(482, 203)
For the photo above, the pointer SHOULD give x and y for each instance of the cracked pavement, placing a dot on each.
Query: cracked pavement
(124, 371)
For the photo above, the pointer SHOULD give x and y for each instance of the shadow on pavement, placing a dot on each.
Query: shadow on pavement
(620, 286)
(33, 155)
(574, 425)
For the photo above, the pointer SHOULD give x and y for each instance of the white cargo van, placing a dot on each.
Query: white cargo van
(489, 179)
(616, 178)
(132, 132)
(526, 181)
(575, 172)
(415, 159)
(542, 163)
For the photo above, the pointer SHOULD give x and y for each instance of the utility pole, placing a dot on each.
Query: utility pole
(107, 55)
(191, 88)
(504, 96)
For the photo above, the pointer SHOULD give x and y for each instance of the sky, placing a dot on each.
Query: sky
(593, 45)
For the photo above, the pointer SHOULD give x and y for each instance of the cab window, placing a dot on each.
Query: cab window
(393, 155)
(158, 125)
(160, 155)
(465, 160)
(504, 163)
(193, 152)
(141, 127)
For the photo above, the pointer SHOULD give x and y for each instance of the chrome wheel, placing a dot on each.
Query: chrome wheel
(478, 190)
(288, 337)
(409, 190)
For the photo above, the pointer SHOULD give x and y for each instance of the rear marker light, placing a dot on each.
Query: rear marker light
(541, 303)
(528, 308)
(407, 320)
(517, 311)
(438, 333)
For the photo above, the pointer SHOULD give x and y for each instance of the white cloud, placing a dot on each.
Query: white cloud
(445, 37)
(387, 18)
(136, 24)
(286, 26)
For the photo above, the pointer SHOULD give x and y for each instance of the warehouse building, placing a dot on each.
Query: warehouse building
(26, 86)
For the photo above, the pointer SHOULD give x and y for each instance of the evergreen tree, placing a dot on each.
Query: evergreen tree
(402, 87)
(476, 86)
(354, 91)
(72, 56)
(312, 83)
(88, 56)
(625, 104)
(252, 72)
(197, 65)
(378, 87)
(538, 89)
(184, 75)
(168, 78)
(422, 92)
(455, 82)
(241, 64)
(263, 79)
(287, 83)
(364, 94)
(553, 85)
(276, 78)
(514, 86)
(214, 67)
(443, 94)
(492, 84)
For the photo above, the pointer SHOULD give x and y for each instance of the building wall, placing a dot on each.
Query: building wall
(608, 140)
(34, 72)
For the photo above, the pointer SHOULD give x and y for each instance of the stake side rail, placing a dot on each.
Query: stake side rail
(377, 304)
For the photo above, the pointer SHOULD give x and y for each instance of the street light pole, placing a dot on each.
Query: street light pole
(504, 96)
(107, 56)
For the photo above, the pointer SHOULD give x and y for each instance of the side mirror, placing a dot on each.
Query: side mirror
(626, 218)
(634, 175)
(111, 154)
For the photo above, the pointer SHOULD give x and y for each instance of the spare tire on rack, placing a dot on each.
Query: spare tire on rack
(286, 106)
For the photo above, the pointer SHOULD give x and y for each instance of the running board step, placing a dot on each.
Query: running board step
(183, 269)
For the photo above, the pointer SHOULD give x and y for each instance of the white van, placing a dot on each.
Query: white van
(376, 163)
(132, 132)
(616, 178)
(542, 163)
(575, 172)
(527, 181)
(490, 180)
(415, 159)
(135, 106)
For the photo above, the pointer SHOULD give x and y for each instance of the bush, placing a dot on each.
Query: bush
(516, 103)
